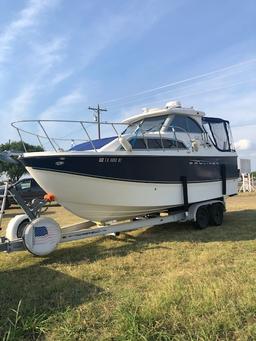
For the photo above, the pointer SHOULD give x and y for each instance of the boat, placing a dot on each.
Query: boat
(142, 170)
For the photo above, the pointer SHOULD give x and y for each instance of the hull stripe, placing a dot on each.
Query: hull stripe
(139, 169)
(126, 180)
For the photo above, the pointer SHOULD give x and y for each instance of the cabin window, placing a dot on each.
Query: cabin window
(183, 124)
(155, 143)
(173, 144)
(138, 143)
(148, 124)
(179, 123)
(193, 126)
(152, 123)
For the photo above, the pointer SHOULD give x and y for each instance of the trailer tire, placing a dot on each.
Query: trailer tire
(202, 217)
(16, 227)
(21, 228)
(216, 214)
(33, 236)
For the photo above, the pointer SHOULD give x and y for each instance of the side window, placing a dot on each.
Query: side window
(185, 124)
(174, 144)
(153, 123)
(193, 127)
(138, 143)
(154, 144)
(179, 124)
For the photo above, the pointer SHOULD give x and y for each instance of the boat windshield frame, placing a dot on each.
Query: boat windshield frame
(138, 125)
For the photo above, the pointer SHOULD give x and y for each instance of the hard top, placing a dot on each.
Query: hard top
(173, 107)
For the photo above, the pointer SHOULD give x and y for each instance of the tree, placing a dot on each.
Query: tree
(15, 171)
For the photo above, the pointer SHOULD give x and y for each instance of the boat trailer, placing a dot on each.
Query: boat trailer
(40, 235)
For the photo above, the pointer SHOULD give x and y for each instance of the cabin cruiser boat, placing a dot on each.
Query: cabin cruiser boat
(141, 170)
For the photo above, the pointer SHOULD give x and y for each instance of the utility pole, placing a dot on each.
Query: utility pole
(97, 111)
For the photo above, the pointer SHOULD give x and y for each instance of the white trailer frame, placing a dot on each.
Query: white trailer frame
(82, 230)
(88, 229)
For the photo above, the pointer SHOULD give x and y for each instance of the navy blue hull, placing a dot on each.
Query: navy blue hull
(138, 168)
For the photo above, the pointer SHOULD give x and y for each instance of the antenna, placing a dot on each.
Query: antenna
(97, 112)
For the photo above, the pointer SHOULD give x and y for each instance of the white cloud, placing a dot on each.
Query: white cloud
(22, 101)
(110, 28)
(49, 53)
(64, 105)
(61, 76)
(243, 144)
(26, 18)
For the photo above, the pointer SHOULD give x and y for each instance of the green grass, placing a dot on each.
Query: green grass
(164, 283)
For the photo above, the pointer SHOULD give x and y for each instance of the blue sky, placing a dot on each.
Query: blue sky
(59, 56)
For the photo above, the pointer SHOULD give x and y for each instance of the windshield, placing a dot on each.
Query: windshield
(132, 128)
(149, 124)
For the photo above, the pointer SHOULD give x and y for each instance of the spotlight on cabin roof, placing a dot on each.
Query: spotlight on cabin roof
(173, 104)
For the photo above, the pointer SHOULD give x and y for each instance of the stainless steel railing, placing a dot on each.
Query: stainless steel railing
(54, 141)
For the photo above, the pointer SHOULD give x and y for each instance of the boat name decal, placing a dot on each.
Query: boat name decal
(203, 162)
(110, 159)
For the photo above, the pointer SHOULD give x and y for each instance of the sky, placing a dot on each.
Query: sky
(57, 57)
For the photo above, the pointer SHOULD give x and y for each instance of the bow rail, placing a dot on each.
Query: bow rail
(44, 135)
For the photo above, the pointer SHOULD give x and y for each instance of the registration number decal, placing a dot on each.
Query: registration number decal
(110, 159)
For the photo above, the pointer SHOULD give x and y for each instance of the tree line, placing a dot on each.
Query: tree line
(14, 171)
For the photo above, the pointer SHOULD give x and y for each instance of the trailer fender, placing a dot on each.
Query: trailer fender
(13, 226)
(194, 207)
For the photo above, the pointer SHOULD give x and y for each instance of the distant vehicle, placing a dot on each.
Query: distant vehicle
(28, 188)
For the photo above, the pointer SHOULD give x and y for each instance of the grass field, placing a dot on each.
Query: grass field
(164, 283)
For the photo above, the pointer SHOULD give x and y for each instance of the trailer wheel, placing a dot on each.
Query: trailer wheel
(216, 214)
(16, 227)
(21, 228)
(41, 236)
(202, 217)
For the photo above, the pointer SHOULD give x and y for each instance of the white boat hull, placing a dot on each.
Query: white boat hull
(103, 200)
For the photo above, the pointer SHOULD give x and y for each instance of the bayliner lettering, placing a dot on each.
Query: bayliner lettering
(204, 162)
